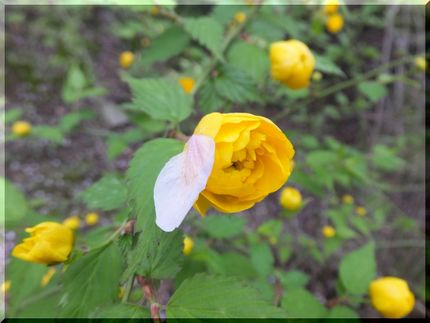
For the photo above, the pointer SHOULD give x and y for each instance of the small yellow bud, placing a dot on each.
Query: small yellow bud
(331, 6)
(5, 286)
(126, 59)
(334, 23)
(391, 297)
(21, 128)
(361, 211)
(240, 17)
(316, 76)
(188, 245)
(91, 218)
(155, 10)
(187, 84)
(121, 292)
(421, 63)
(328, 231)
(291, 199)
(47, 277)
(347, 199)
(72, 222)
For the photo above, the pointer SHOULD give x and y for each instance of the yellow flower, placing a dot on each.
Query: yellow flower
(328, 231)
(347, 199)
(316, 76)
(47, 277)
(155, 10)
(292, 63)
(21, 128)
(49, 243)
(121, 292)
(91, 218)
(72, 222)
(126, 59)
(334, 23)
(331, 6)
(391, 297)
(252, 159)
(291, 199)
(421, 63)
(5, 286)
(240, 17)
(188, 245)
(361, 211)
(187, 84)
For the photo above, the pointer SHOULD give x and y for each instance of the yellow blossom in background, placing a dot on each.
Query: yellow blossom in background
(72, 222)
(290, 199)
(126, 59)
(347, 199)
(328, 231)
(121, 292)
(155, 10)
(361, 211)
(421, 63)
(188, 245)
(187, 84)
(240, 17)
(21, 128)
(292, 63)
(47, 277)
(5, 286)
(252, 159)
(91, 218)
(391, 297)
(331, 6)
(334, 23)
(49, 243)
(316, 76)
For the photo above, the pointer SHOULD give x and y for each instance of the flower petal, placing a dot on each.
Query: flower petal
(181, 180)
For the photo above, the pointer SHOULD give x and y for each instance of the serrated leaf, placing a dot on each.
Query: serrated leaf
(125, 311)
(53, 134)
(299, 303)
(108, 193)
(262, 258)
(223, 226)
(92, 280)
(162, 99)
(326, 65)
(357, 281)
(209, 99)
(374, 91)
(293, 279)
(15, 206)
(206, 296)
(207, 31)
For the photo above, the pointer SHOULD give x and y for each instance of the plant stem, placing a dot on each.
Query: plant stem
(149, 294)
(128, 289)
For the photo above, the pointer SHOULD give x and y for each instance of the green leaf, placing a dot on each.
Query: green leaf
(326, 65)
(207, 31)
(206, 296)
(250, 59)
(108, 193)
(169, 44)
(15, 206)
(374, 91)
(53, 134)
(92, 280)
(223, 226)
(358, 268)
(209, 99)
(385, 159)
(342, 312)
(126, 311)
(293, 279)
(271, 230)
(299, 303)
(71, 120)
(11, 115)
(162, 99)
(262, 258)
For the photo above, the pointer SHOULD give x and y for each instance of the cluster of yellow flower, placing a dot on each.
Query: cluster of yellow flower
(359, 210)
(74, 222)
(334, 20)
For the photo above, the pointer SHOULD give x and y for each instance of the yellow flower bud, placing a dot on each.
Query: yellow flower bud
(240, 17)
(188, 245)
(126, 59)
(21, 128)
(187, 84)
(391, 297)
(421, 63)
(47, 277)
(361, 211)
(155, 10)
(328, 231)
(5, 286)
(292, 63)
(72, 222)
(291, 199)
(334, 23)
(91, 218)
(347, 199)
(316, 76)
(49, 243)
(121, 292)
(331, 6)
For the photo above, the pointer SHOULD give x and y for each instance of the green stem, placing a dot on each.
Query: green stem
(128, 289)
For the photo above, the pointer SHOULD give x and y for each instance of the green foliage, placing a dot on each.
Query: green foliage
(108, 193)
(92, 280)
(223, 226)
(342, 312)
(262, 258)
(11, 115)
(124, 311)
(325, 65)
(385, 159)
(53, 134)
(299, 303)
(206, 296)
(358, 268)
(374, 91)
(293, 279)
(14, 202)
(72, 120)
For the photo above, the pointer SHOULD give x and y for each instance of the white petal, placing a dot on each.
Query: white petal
(181, 180)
